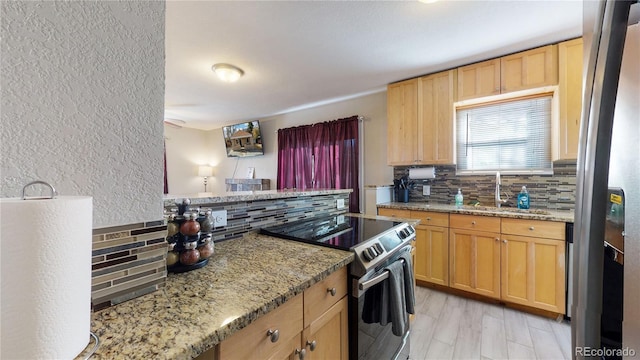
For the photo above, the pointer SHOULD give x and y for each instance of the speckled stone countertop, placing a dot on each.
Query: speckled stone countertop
(236, 196)
(244, 279)
(533, 214)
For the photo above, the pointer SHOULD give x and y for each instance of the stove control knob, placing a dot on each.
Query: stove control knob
(367, 256)
(402, 234)
(379, 248)
(372, 252)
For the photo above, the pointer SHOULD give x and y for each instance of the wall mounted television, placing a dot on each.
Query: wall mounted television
(243, 140)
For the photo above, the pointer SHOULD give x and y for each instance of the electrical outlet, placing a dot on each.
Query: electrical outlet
(219, 218)
(340, 204)
(426, 190)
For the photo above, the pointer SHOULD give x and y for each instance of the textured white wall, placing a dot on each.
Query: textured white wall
(82, 103)
(197, 146)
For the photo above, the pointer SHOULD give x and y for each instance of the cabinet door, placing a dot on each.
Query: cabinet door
(570, 84)
(474, 262)
(533, 272)
(436, 94)
(402, 122)
(529, 69)
(327, 337)
(432, 254)
(479, 79)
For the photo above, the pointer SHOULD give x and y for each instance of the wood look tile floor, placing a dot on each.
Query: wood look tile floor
(451, 327)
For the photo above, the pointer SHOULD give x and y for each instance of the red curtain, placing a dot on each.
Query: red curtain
(321, 156)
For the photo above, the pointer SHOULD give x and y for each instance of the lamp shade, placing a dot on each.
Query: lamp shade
(205, 171)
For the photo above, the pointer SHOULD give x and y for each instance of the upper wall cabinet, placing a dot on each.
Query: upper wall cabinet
(420, 120)
(402, 122)
(524, 70)
(570, 79)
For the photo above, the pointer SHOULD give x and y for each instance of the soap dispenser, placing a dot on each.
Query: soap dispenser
(523, 198)
(459, 198)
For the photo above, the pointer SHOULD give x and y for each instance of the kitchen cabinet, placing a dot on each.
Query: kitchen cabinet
(431, 262)
(420, 120)
(520, 71)
(529, 69)
(474, 254)
(533, 263)
(311, 325)
(436, 94)
(570, 92)
(402, 122)
(399, 213)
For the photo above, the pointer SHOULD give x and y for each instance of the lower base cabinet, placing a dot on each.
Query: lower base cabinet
(312, 325)
(475, 262)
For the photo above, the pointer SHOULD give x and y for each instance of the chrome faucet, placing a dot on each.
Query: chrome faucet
(499, 201)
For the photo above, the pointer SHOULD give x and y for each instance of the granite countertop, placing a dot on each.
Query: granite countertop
(533, 214)
(236, 196)
(245, 279)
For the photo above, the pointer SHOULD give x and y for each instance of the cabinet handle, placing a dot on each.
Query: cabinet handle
(473, 223)
(531, 228)
(274, 335)
(301, 353)
(312, 345)
(332, 291)
(429, 218)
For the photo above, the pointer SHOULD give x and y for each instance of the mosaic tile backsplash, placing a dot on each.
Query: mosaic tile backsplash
(556, 192)
(127, 261)
(245, 216)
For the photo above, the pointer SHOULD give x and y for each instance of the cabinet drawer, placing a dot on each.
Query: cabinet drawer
(253, 342)
(473, 222)
(534, 228)
(394, 213)
(319, 298)
(431, 218)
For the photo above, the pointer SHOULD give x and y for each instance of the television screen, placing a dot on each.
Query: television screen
(243, 140)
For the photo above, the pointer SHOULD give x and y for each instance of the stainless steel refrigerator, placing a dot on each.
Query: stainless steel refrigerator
(608, 156)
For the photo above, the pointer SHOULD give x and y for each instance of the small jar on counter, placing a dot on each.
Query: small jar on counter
(190, 227)
(172, 226)
(190, 255)
(172, 255)
(206, 249)
(206, 225)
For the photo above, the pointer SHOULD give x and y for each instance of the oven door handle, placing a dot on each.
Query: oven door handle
(378, 279)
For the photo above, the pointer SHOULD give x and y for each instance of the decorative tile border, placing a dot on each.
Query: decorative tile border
(555, 192)
(127, 261)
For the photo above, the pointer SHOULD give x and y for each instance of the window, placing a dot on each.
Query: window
(511, 136)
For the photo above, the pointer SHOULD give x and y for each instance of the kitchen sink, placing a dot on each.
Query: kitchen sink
(506, 210)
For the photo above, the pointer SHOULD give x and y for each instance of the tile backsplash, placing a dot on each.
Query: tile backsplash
(127, 261)
(555, 191)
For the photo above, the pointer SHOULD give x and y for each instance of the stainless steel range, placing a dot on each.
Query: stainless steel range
(379, 300)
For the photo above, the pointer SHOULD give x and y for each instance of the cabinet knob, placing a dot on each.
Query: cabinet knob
(473, 223)
(274, 335)
(332, 291)
(531, 228)
(301, 353)
(497, 239)
(429, 218)
(504, 241)
(312, 345)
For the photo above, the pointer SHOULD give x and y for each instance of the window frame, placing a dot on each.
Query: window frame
(513, 96)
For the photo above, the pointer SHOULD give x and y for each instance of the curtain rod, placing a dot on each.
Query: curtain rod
(360, 118)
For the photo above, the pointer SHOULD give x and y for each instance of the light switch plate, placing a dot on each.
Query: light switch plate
(426, 190)
(340, 204)
(219, 218)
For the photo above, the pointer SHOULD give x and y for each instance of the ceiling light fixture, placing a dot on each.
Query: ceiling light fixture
(227, 72)
(427, 1)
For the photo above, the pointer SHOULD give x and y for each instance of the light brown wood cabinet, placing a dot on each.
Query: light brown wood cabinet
(402, 122)
(420, 120)
(399, 213)
(431, 262)
(570, 80)
(311, 325)
(520, 71)
(474, 254)
(533, 263)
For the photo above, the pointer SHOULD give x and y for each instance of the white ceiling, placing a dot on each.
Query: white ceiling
(299, 54)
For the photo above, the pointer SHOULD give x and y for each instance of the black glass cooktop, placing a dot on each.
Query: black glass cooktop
(340, 232)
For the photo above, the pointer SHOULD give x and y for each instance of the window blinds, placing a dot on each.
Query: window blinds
(513, 136)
